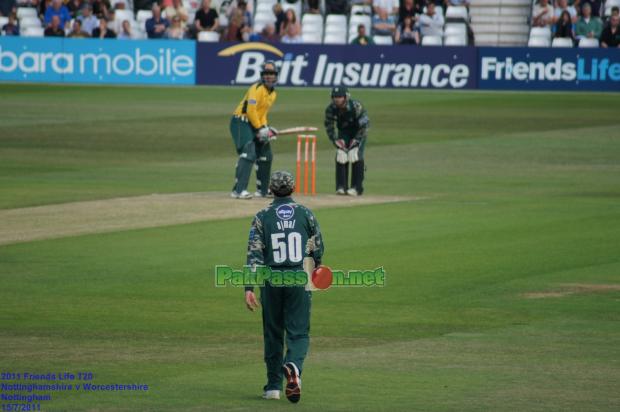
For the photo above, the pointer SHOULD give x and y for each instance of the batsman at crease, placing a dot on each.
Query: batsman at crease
(350, 118)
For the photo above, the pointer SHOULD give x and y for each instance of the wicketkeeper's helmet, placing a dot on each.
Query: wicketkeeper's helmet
(282, 183)
(340, 91)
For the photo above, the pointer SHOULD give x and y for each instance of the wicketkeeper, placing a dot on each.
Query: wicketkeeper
(251, 133)
(282, 236)
(350, 118)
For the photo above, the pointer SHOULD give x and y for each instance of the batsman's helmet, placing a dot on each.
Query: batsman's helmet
(340, 91)
(282, 183)
(268, 67)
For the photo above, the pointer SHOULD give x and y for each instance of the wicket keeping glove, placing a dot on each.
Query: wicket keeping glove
(341, 156)
(353, 154)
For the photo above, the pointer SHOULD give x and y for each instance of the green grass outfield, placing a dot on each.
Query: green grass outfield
(503, 281)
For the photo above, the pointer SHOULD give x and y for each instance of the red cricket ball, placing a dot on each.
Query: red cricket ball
(322, 277)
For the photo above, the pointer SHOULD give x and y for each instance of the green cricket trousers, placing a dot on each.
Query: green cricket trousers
(286, 318)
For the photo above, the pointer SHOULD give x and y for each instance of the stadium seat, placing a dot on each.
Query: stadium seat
(208, 37)
(361, 9)
(264, 18)
(311, 37)
(30, 22)
(142, 17)
(562, 42)
(265, 8)
(455, 29)
(122, 15)
(457, 13)
(3, 20)
(312, 20)
(544, 32)
(26, 12)
(431, 41)
(335, 38)
(383, 40)
(455, 40)
(588, 43)
(538, 42)
(339, 20)
(32, 32)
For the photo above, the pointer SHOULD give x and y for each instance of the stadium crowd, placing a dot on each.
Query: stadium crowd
(360, 22)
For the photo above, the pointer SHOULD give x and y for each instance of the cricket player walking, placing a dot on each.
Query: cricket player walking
(349, 117)
(251, 133)
(281, 237)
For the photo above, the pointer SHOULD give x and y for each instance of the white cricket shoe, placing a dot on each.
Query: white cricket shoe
(259, 194)
(341, 192)
(352, 192)
(272, 394)
(244, 195)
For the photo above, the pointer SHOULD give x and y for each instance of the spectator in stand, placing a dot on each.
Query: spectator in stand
(125, 32)
(596, 6)
(237, 30)
(269, 34)
(542, 15)
(12, 27)
(206, 18)
(407, 33)
(242, 6)
(290, 26)
(176, 31)
(383, 24)
(75, 8)
(562, 5)
(280, 17)
(77, 32)
(57, 9)
(313, 7)
(54, 29)
(43, 6)
(103, 32)
(336, 6)
(410, 8)
(120, 5)
(292, 34)
(431, 22)
(390, 6)
(614, 12)
(564, 26)
(89, 22)
(362, 39)
(101, 8)
(156, 26)
(611, 34)
(176, 8)
(588, 26)
(7, 7)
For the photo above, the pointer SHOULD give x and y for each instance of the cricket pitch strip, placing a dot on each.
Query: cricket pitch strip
(125, 213)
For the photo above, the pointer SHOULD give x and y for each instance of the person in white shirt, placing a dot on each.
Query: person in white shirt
(431, 23)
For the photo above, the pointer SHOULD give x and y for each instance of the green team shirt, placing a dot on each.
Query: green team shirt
(352, 122)
(282, 235)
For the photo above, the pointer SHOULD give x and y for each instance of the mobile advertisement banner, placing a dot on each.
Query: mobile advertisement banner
(97, 61)
(548, 69)
(403, 67)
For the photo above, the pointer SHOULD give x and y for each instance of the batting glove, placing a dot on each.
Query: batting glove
(341, 156)
(354, 143)
(263, 134)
